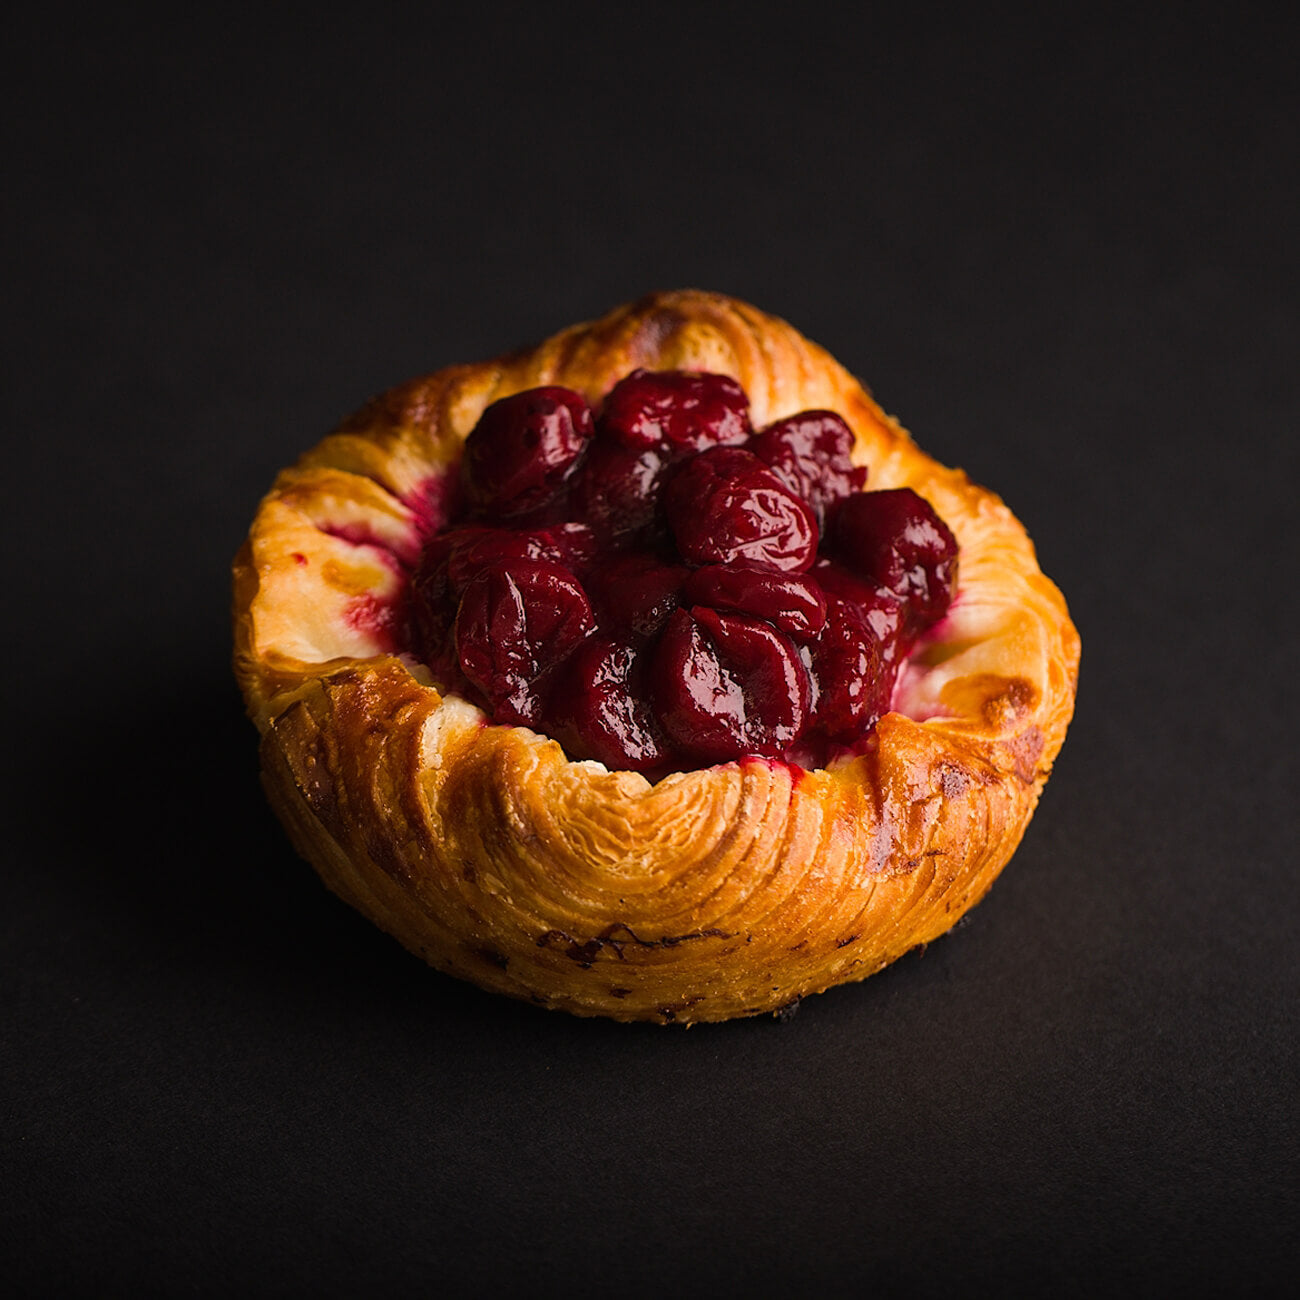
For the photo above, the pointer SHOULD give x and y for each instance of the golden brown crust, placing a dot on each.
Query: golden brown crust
(716, 893)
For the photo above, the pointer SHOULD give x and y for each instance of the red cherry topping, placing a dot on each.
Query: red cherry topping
(453, 559)
(651, 593)
(675, 411)
(524, 448)
(846, 664)
(600, 709)
(469, 551)
(793, 603)
(725, 685)
(897, 539)
(884, 615)
(516, 623)
(725, 506)
(635, 592)
(809, 453)
(617, 491)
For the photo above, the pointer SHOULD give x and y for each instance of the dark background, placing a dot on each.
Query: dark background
(1061, 250)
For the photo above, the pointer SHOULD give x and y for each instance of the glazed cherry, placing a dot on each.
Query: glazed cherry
(675, 411)
(516, 624)
(651, 592)
(853, 692)
(724, 685)
(809, 453)
(617, 491)
(883, 613)
(453, 559)
(600, 709)
(524, 449)
(793, 603)
(470, 550)
(635, 592)
(896, 539)
(725, 506)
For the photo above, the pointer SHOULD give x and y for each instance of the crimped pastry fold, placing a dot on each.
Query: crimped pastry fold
(714, 893)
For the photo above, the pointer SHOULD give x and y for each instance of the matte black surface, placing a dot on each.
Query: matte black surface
(1062, 252)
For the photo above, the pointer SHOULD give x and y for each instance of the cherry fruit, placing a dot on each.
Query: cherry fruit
(725, 506)
(600, 708)
(809, 453)
(897, 539)
(516, 623)
(661, 586)
(675, 411)
(724, 685)
(793, 603)
(523, 450)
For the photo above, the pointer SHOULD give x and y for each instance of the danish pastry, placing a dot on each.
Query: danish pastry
(653, 672)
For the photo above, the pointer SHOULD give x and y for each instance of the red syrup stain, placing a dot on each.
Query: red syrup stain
(398, 559)
(434, 502)
(383, 621)
(797, 771)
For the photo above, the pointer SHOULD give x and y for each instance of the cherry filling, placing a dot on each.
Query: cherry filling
(809, 453)
(725, 506)
(523, 450)
(724, 685)
(659, 586)
(517, 622)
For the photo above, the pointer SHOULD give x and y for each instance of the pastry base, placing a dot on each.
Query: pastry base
(722, 892)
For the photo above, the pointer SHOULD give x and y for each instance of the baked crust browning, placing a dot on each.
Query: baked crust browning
(720, 892)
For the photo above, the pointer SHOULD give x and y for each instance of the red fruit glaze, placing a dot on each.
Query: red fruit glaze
(397, 554)
(846, 665)
(724, 685)
(725, 506)
(470, 550)
(809, 453)
(434, 503)
(383, 620)
(453, 559)
(897, 539)
(634, 592)
(793, 603)
(515, 624)
(599, 709)
(523, 450)
(651, 593)
(675, 411)
(882, 612)
(617, 491)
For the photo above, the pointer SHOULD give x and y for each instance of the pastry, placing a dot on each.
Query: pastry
(651, 673)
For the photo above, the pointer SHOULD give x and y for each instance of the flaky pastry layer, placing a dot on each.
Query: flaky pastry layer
(721, 892)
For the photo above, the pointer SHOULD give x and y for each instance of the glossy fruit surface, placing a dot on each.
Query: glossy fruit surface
(636, 592)
(524, 448)
(725, 507)
(810, 454)
(617, 492)
(792, 603)
(896, 538)
(662, 587)
(674, 411)
(600, 709)
(516, 623)
(725, 684)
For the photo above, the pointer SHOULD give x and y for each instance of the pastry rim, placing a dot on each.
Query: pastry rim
(719, 892)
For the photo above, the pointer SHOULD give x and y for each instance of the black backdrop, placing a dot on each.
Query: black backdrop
(1059, 250)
